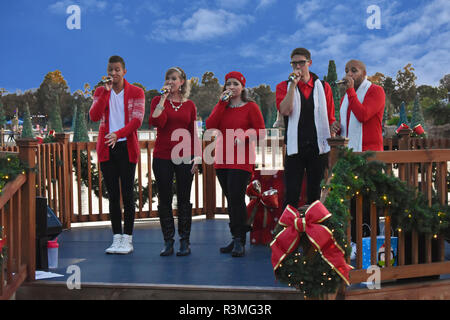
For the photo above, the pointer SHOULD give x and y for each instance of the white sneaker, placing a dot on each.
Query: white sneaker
(126, 245)
(117, 240)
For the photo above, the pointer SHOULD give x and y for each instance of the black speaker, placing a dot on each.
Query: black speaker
(48, 227)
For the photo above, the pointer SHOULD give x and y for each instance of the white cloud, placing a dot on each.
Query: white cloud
(265, 3)
(60, 7)
(231, 4)
(204, 24)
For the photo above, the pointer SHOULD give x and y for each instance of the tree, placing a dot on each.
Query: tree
(331, 78)
(55, 121)
(444, 83)
(405, 85)
(27, 129)
(80, 133)
(403, 116)
(2, 116)
(266, 103)
(206, 94)
(417, 115)
(53, 93)
(378, 78)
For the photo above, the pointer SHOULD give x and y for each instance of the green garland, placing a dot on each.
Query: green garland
(353, 174)
(10, 168)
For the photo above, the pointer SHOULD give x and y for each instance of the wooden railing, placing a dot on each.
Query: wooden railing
(418, 255)
(17, 218)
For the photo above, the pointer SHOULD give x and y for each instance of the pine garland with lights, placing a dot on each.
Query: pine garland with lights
(10, 168)
(353, 174)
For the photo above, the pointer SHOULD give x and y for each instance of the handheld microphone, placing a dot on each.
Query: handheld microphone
(292, 77)
(343, 81)
(164, 91)
(106, 80)
(227, 96)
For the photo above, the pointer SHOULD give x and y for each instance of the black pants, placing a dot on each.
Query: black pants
(307, 160)
(120, 170)
(164, 171)
(234, 184)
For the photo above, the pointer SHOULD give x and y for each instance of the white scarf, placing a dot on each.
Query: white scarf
(354, 130)
(320, 120)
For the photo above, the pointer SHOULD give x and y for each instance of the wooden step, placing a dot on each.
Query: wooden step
(54, 290)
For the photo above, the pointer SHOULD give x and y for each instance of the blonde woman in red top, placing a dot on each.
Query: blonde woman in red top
(239, 121)
(174, 115)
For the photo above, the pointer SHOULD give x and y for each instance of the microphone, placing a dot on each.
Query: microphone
(227, 96)
(292, 77)
(164, 91)
(343, 81)
(106, 80)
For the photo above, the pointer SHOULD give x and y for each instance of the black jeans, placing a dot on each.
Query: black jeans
(234, 184)
(307, 160)
(164, 171)
(120, 170)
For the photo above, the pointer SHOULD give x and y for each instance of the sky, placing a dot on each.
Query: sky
(254, 37)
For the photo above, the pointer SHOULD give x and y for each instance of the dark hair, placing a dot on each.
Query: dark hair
(302, 52)
(185, 89)
(115, 59)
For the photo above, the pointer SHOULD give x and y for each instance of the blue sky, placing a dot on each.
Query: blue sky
(251, 36)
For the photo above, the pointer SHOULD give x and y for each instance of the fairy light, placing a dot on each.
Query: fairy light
(435, 236)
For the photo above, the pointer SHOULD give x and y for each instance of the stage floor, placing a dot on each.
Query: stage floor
(85, 247)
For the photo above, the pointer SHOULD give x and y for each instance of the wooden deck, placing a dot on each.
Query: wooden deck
(206, 274)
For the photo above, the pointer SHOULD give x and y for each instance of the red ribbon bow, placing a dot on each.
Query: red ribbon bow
(320, 236)
(268, 199)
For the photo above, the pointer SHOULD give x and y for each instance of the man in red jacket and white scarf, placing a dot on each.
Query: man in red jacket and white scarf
(362, 109)
(120, 107)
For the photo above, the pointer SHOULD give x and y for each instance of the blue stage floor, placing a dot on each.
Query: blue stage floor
(206, 266)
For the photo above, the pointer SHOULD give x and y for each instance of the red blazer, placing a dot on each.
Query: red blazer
(134, 108)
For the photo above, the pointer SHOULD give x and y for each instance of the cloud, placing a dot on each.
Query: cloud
(265, 3)
(231, 4)
(60, 7)
(204, 24)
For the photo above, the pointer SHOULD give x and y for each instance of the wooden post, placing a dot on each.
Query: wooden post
(27, 154)
(334, 143)
(66, 210)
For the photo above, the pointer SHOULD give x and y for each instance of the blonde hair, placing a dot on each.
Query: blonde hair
(186, 87)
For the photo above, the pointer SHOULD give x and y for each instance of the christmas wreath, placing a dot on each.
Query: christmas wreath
(306, 269)
(10, 168)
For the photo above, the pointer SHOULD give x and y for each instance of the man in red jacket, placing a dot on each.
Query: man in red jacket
(120, 107)
(362, 109)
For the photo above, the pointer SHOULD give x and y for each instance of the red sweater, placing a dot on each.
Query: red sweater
(134, 108)
(370, 114)
(245, 117)
(168, 122)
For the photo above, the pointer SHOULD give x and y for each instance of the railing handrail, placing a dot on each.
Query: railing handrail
(11, 188)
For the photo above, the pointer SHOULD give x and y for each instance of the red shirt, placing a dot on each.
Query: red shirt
(245, 117)
(370, 114)
(168, 122)
(306, 89)
(134, 109)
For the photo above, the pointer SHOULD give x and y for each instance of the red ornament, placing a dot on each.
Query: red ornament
(402, 126)
(419, 129)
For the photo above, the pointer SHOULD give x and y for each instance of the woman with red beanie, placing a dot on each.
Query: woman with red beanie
(239, 121)
(174, 116)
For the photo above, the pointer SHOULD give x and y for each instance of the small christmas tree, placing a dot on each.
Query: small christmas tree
(2, 116)
(331, 78)
(403, 117)
(417, 115)
(80, 133)
(55, 122)
(27, 130)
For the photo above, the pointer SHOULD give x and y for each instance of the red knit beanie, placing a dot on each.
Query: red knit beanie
(236, 75)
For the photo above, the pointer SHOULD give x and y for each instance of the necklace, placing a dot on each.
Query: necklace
(237, 105)
(174, 106)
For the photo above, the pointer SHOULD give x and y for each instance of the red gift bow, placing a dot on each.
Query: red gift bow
(269, 199)
(320, 236)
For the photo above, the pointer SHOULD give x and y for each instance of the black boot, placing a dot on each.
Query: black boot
(168, 248)
(185, 250)
(167, 228)
(238, 248)
(228, 248)
(184, 228)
